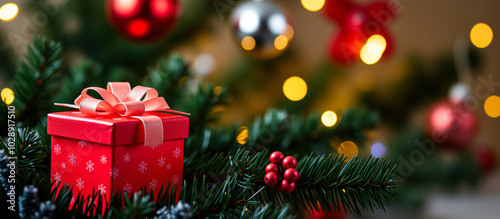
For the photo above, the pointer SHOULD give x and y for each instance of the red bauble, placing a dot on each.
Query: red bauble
(271, 179)
(276, 157)
(291, 175)
(327, 215)
(338, 9)
(451, 124)
(287, 187)
(143, 20)
(289, 162)
(272, 167)
(486, 159)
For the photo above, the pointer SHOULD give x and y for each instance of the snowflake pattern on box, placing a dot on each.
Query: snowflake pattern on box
(63, 165)
(57, 149)
(103, 159)
(56, 177)
(153, 146)
(82, 143)
(175, 179)
(177, 152)
(127, 187)
(143, 166)
(72, 158)
(90, 166)
(79, 183)
(114, 172)
(161, 161)
(152, 184)
(126, 158)
(169, 166)
(102, 188)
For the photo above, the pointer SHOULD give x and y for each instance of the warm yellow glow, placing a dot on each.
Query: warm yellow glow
(295, 88)
(313, 5)
(7, 96)
(329, 118)
(365, 81)
(248, 43)
(217, 90)
(481, 35)
(492, 106)
(372, 51)
(8, 11)
(280, 42)
(289, 32)
(242, 135)
(349, 149)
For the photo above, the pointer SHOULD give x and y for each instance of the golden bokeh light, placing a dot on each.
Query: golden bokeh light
(7, 96)
(295, 88)
(348, 149)
(217, 90)
(281, 42)
(313, 5)
(329, 118)
(8, 11)
(481, 35)
(492, 106)
(248, 43)
(372, 51)
(289, 32)
(242, 135)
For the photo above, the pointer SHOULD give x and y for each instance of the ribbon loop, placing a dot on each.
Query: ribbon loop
(119, 99)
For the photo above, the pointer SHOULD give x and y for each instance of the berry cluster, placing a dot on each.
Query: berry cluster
(287, 182)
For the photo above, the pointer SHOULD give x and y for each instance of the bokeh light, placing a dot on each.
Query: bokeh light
(481, 35)
(349, 149)
(248, 43)
(242, 135)
(204, 63)
(378, 150)
(329, 118)
(280, 42)
(8, 11)
(295, 88)
(313, 5)
(289, 32)
(372, 51)
(7, 96)
(217, 90)
(492, 106)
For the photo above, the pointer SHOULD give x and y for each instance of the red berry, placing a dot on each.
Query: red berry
(272, 168)
(291, 175)
(278, 188)
(287, 187)
(271, 179)
(289, 162)
(276, 157)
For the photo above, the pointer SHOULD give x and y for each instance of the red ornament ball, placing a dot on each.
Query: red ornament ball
(291, 174)
(289, 162)
(486, 159)
(451, 124)
(276, 157)
(271, 179)
(287, 187)
(272, 167)
(143, 20)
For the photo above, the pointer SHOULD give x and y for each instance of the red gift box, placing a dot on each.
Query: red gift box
(108, 153)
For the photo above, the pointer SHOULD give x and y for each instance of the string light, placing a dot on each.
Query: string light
(313, 5)
(242, 135)
(481, 35)
(329, 118)
(349, 149)
(280, 42)
(378, 150)
(372, 51)
(217, 90)
(295, 88)
(8, 11)
(289, 32)
(491, 106)
(248, 43)
(7, 96)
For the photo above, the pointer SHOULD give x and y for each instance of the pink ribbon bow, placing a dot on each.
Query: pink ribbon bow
(120, 99)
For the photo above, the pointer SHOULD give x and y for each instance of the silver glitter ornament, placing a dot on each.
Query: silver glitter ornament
(262, 28)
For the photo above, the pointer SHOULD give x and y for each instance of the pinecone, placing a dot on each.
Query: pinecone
(28, 202)
(4, 170)
(47, 209)
(180, 211)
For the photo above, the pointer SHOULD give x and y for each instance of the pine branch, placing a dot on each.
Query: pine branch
(29, 151)
(34, 85)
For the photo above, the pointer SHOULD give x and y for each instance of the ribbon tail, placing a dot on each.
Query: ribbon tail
(67, 105)
(153, 129)
(174, 112)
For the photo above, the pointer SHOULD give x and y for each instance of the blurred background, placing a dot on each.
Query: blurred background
(431, 78)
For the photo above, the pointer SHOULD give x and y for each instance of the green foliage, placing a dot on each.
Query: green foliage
(35, 81)
(83, 75)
